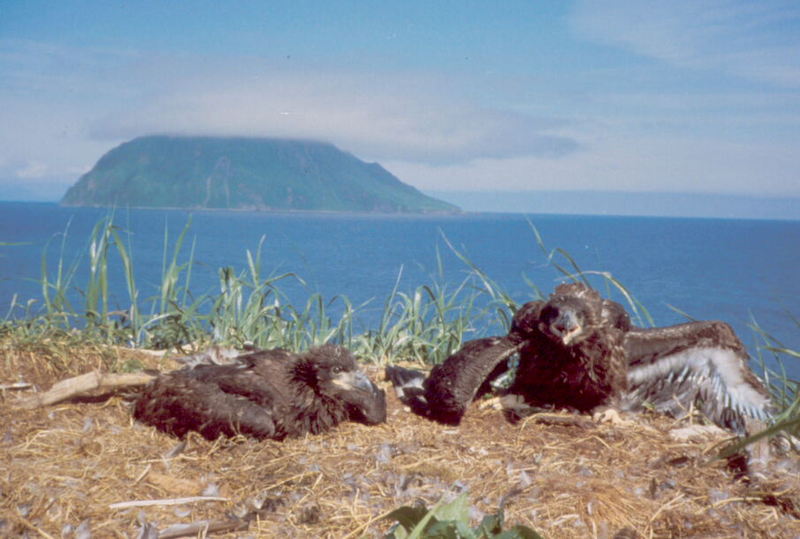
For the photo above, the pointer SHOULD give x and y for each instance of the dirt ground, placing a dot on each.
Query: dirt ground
(80, 467)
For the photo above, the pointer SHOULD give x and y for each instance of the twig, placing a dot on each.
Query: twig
(15, 386)
(143, 474)
(546, 418)
(203, 526)
(166, 501)
(152, 353)
(78, 385)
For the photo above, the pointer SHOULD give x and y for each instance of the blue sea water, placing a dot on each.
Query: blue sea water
(732, 270)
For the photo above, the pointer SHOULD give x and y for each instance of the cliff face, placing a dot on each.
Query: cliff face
(244, 173)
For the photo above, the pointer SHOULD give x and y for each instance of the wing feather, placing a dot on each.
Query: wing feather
(699, 365)
(408, 386)
(467, 375)
(451, 386)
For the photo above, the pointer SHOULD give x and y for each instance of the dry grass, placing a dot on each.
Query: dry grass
(67, 464)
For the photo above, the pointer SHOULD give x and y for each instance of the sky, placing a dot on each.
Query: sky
(685, 96)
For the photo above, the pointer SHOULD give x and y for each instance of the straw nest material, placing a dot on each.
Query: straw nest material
(87, 466)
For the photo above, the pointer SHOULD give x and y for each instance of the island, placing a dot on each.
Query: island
(238, 173)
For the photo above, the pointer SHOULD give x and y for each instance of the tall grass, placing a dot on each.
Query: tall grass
(422, 325)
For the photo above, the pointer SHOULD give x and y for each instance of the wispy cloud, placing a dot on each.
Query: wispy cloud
(398, 116)
(72, 101)
(737, 37)
(633, 164)
(32, 170)
(415, 116)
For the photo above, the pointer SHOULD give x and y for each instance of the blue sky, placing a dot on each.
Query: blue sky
(698, 96)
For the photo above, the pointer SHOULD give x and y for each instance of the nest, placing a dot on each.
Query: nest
(87, 466)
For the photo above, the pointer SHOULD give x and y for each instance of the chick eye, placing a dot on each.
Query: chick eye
(337, 370)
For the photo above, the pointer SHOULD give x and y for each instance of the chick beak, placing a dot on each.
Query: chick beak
(353, 380)
(566, 327)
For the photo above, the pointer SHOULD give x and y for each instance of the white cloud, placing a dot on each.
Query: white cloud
(64, 107)
(44, 140)
(32, 170)
(379, 116)
(626, 164)
(742, 38)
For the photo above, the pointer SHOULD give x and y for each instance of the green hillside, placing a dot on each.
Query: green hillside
(244, 173)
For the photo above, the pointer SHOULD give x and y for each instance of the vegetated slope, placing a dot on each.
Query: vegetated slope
(244, 173)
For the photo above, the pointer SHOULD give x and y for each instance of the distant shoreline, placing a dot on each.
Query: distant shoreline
(628, 204)
(463, 212)
(264, 210)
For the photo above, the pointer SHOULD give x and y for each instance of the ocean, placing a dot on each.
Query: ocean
(739, 271)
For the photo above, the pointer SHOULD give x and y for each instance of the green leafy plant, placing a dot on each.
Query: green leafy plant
(451, 521)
